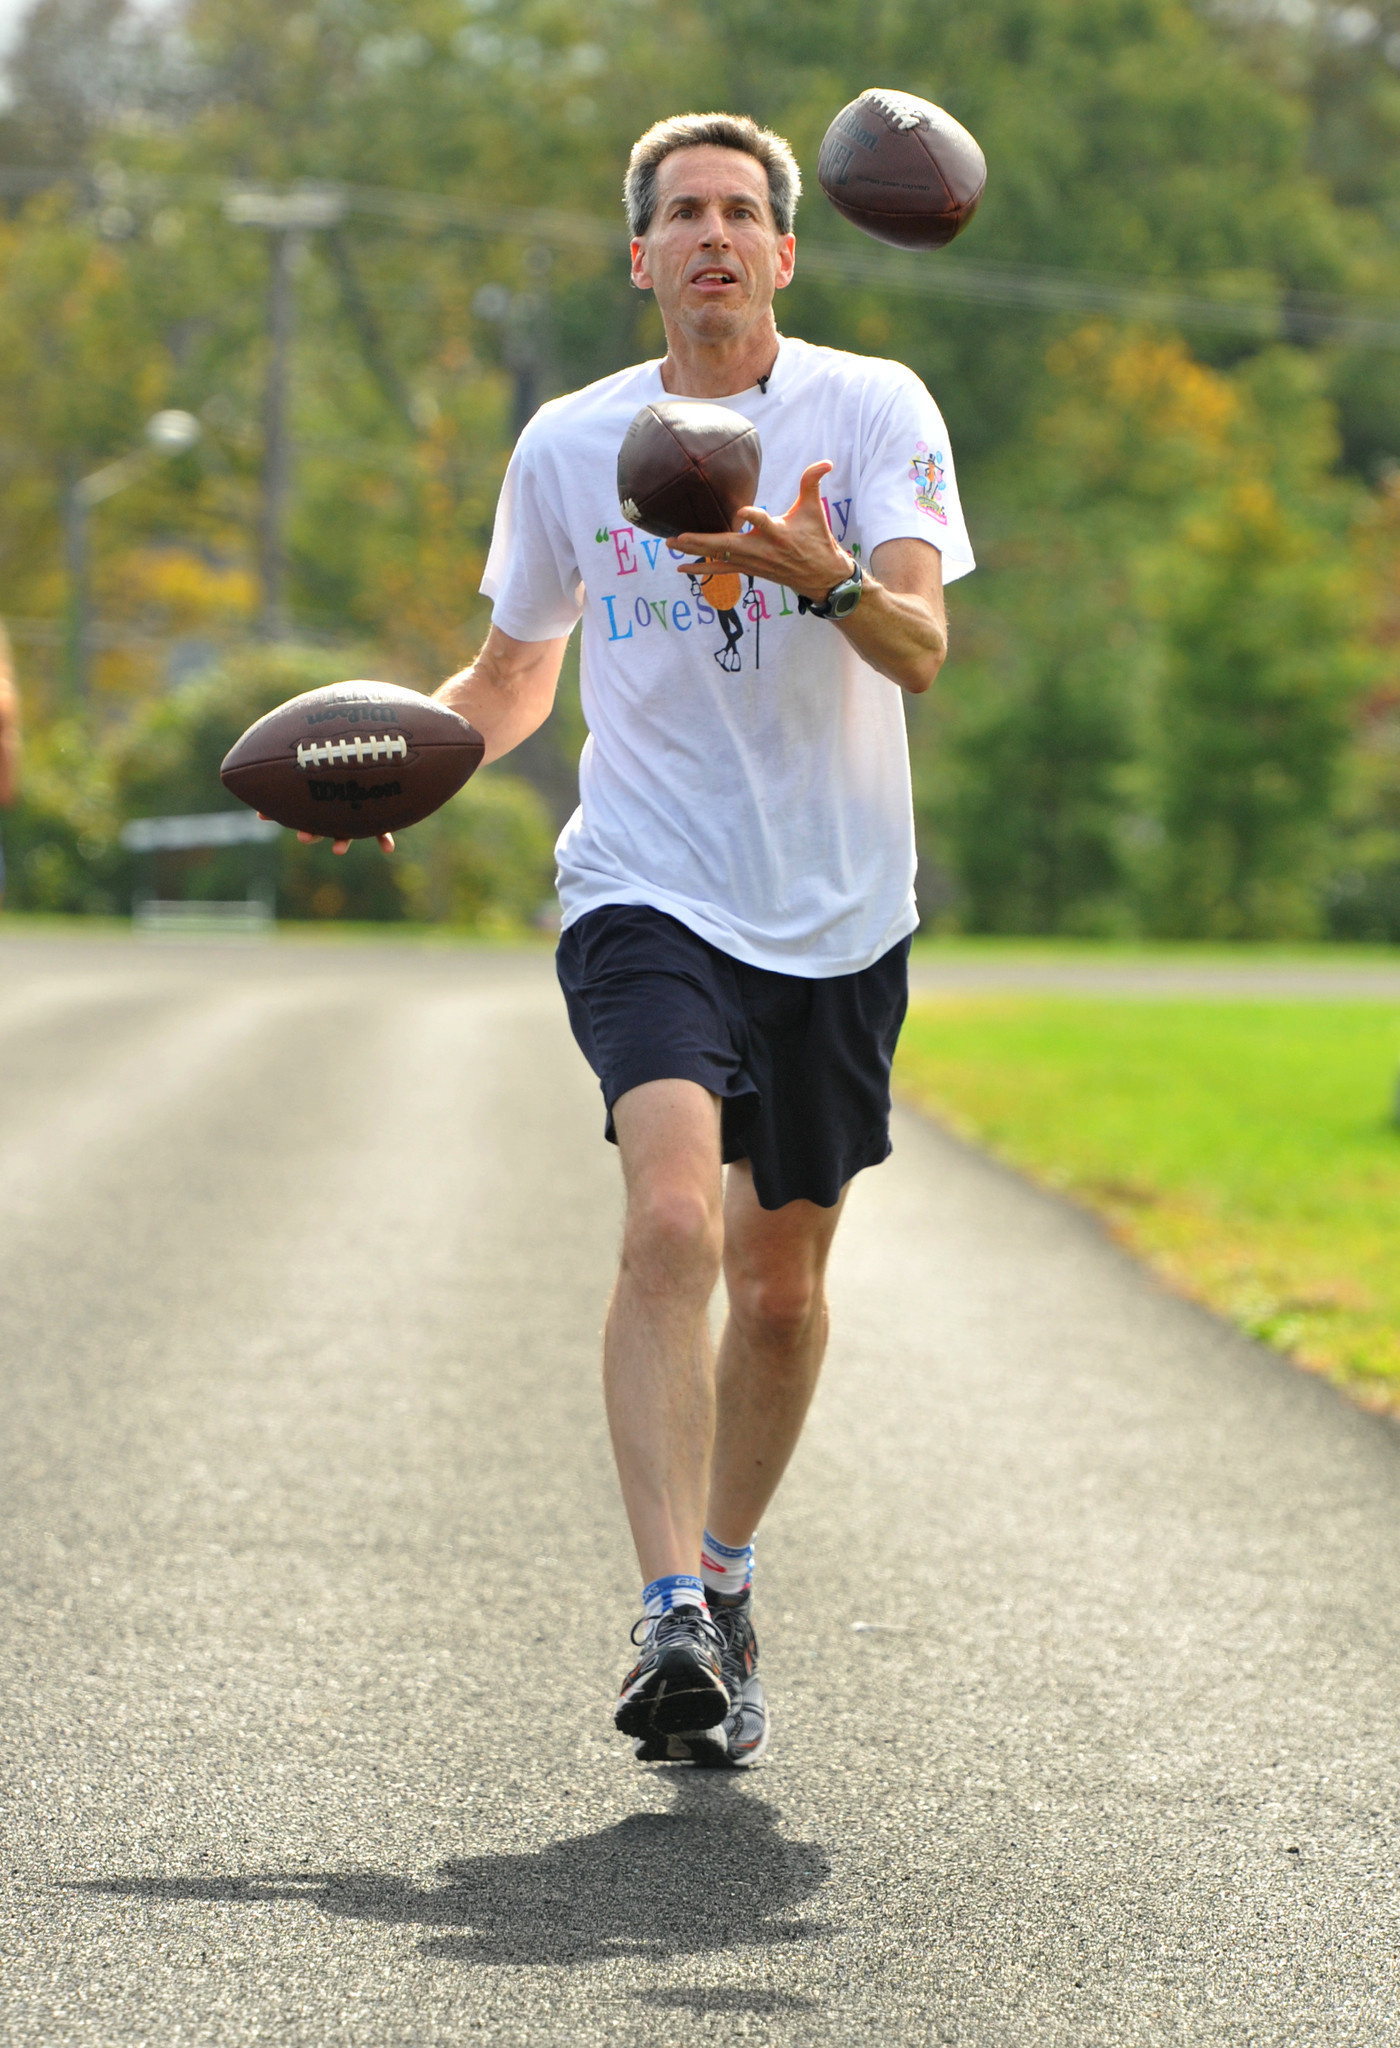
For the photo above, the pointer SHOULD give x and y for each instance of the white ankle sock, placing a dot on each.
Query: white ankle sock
(678, 1589)
(725, 1570)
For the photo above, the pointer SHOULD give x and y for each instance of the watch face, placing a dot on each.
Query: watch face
(844, 599)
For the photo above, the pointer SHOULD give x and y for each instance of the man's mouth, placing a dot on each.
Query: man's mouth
(713, 275)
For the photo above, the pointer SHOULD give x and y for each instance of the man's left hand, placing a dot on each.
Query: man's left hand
(798, 550)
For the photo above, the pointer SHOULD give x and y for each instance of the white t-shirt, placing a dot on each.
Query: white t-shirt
(745, 770)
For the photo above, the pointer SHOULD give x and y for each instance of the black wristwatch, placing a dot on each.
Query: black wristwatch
(840, 601)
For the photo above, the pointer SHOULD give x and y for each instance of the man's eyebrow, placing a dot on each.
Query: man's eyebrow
(698, 198)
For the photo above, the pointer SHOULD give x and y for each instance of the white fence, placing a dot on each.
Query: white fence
(168, 917)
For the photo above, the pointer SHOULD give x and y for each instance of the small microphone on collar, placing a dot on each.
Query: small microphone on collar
(763, 384)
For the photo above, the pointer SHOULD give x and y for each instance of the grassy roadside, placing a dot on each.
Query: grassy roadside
(1245, 1149)
(927, 952)
(967, 951)
(291, 931)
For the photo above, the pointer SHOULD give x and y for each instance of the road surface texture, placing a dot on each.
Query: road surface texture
(1079, 1612)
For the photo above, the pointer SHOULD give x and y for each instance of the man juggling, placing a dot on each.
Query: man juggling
(736, 884)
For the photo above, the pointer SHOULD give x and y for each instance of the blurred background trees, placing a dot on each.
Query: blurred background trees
(1168, 351)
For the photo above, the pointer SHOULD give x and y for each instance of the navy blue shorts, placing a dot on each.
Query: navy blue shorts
(801, 1067)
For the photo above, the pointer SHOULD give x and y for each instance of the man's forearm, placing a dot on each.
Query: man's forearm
(508, 691)
(898, 634)
(486, 701)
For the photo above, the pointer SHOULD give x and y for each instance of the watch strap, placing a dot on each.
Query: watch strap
(823, 608)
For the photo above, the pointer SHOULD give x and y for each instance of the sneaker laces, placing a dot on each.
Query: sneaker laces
(678, 1621)
(736, 1633)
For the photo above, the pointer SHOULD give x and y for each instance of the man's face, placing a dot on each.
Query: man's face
(712, 255)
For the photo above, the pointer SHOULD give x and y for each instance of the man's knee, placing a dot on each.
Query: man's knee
(775, 1306)
(674, 1236)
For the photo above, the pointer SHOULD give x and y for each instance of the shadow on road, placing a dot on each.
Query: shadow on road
(714, 1873)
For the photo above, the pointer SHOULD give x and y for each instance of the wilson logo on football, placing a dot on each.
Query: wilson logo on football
(358, 752)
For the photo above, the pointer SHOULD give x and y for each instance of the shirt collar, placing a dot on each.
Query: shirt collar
(779, 377)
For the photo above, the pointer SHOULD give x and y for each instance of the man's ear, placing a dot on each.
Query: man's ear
(641, 276)
(787, 262)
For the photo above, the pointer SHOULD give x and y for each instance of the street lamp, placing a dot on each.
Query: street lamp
(171, 432)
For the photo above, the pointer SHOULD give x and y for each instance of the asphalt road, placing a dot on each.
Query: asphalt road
(1079, 1613)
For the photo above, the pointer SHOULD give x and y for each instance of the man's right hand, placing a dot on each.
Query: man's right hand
(507, 693)
(386, 839)
(386, 842)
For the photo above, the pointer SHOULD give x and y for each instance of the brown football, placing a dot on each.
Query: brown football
(686, 466)
(353, 760)
(901, 169)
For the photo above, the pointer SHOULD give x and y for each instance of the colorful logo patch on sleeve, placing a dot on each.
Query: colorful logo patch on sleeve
(929, 480)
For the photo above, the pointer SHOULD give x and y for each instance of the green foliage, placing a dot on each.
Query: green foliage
(1246, 1148)
(1152, 724)
(1032, 811)
(1362, 898)
(60, 836)
(1145, 723)
(1341, 64)
(1253, 710)
(486, 860)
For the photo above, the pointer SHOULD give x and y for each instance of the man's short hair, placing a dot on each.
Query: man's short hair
(710, 131)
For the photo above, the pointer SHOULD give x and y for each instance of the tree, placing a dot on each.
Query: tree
(1152, 721)
(1027, 810)
(1149, 137)
(1260, 674)
(80, 67)
(1362, 896)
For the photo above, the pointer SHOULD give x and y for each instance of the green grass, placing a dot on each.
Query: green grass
(963, 951)
(327, 931)
(1245, 1149)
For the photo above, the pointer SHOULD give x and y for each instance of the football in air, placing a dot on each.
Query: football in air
(353, 760)
(902, 169)
(686, 466)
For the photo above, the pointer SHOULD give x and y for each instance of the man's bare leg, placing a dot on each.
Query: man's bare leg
(772, 1348)
(658, 1371)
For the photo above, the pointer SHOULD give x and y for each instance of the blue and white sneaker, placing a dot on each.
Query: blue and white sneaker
(740, 1739)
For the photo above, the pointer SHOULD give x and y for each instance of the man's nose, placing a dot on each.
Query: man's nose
(714, 229)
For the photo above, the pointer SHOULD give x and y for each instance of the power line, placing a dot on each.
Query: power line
(1294, 315)
(1041, 288)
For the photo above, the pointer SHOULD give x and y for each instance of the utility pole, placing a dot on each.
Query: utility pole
(523, 318)
(285, 254)
(167, 433)
(289, 218)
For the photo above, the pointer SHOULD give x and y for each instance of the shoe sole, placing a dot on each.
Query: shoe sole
(678, 1695)
(705, 1749)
